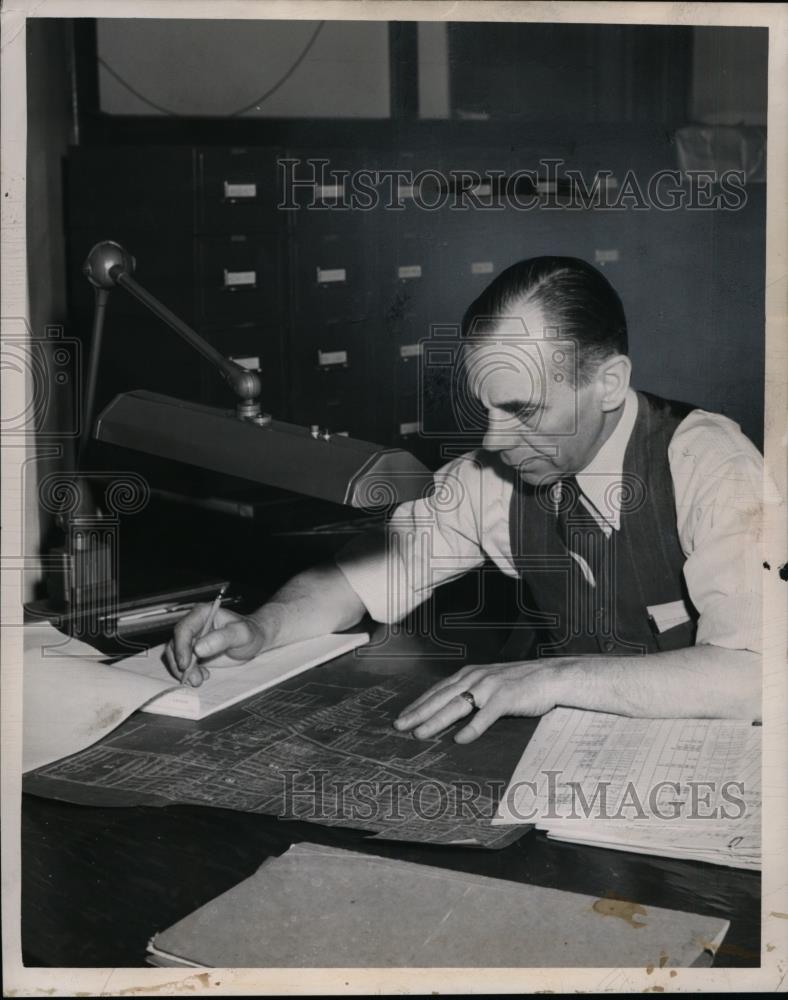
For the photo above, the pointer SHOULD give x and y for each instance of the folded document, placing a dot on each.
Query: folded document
(322, 907)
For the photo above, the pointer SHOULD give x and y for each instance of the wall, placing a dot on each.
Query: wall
(49, 123)
(177, 65)
(729, 76)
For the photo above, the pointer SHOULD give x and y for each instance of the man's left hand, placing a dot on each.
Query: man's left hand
(530, 688)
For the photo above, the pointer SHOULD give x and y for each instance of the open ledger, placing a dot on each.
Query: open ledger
(680, 788)
(72, 698)
(322, 907)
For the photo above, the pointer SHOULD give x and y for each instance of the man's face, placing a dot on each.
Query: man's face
(537, 421)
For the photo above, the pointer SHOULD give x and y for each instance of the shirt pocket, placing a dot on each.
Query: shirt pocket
(677, 637)
(674, 625)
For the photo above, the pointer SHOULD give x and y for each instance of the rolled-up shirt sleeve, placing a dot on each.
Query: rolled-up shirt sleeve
(425, 542)
(720, 491)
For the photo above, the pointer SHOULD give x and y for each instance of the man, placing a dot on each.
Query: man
(632, 521)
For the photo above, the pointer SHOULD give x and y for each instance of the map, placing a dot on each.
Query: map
(308, 750)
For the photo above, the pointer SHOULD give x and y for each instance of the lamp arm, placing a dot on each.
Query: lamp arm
(245, 384)
(109, 264)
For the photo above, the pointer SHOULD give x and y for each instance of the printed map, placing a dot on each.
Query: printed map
(308, 750)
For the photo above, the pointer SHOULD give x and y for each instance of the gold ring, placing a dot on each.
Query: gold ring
(468, 696)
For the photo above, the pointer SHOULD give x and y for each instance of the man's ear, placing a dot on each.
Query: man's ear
(613, 381)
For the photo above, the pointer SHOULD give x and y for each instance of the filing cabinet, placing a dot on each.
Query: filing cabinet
(336, 298)
(128, 188)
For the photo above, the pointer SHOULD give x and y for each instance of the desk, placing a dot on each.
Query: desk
(98, 882)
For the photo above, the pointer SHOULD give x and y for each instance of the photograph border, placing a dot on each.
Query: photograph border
(771, 976)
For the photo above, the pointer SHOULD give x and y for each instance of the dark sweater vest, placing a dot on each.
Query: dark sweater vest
(637, 567)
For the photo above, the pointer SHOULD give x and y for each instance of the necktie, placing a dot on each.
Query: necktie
(578, 529)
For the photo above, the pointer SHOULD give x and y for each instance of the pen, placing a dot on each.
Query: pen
(154, 612)
(207, 626)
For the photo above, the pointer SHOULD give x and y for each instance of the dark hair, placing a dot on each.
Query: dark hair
(576, 299)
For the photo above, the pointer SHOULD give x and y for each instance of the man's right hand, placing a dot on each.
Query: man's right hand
(233, 636)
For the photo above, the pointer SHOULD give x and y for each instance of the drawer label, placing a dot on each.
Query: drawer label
(410, 351)
(325, 275)
(409, 271)
(482, 267)
(410, 427)
(251, 364)
(606, 256)
(326, 191)
(239, 190)
(234, 278)
(328, 358)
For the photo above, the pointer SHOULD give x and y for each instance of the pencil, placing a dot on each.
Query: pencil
(206, 628)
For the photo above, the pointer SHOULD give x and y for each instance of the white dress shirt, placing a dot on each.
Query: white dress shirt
(718, 482)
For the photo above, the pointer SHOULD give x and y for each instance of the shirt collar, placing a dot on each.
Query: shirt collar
(601, 479)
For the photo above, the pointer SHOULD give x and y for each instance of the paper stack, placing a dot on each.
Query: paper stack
(681, 788)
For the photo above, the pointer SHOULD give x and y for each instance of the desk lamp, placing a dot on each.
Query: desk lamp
(246, 442)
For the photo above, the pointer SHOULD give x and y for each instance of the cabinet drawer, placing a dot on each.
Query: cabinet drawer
(239, 278)
(125, 188)
(237, 190)
(335, 399)
(333, 276)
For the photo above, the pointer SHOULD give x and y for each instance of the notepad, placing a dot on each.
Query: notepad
(680, 788)
(322, 907)
(231, 682)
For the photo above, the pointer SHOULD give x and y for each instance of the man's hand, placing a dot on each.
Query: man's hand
(529, 688)
(233, 635)
(697, 682)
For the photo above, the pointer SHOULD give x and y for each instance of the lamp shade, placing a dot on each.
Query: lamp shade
(342, 469)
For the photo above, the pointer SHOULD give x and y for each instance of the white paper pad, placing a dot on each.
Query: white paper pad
(231, 682)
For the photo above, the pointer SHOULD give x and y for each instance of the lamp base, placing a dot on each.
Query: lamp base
(82, 586)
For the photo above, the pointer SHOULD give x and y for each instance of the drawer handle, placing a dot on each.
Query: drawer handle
(240, 279)
(234, 191)
(331, 359)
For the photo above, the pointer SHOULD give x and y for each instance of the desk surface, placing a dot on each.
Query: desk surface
(97, 883)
